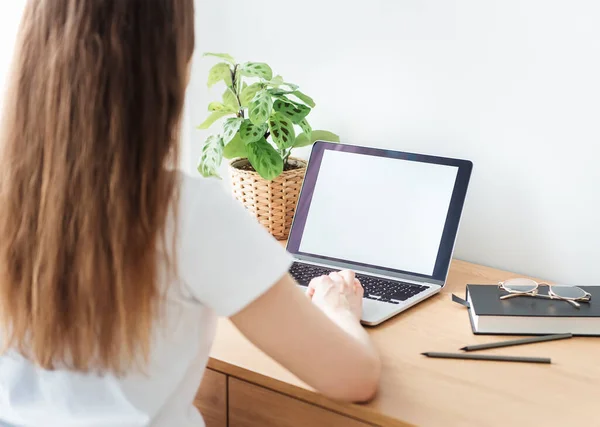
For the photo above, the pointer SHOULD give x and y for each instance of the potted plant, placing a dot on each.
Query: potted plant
(265, 120)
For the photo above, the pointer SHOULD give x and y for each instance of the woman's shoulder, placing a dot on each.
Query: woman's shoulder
(207, 206)
(225, 256)
(191, 184)
(202, 193)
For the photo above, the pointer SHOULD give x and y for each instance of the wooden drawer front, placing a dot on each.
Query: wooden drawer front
(255, 406)
(211, 399)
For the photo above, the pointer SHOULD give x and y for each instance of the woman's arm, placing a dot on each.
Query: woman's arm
(325, 346)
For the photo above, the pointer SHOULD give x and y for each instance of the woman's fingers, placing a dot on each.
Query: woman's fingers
(338, 291)
(310, 289)
(336, 278)
(358, 288)
(318, 282)
(348, 277)
(344, 279)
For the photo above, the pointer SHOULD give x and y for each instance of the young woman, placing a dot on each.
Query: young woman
(114, 267)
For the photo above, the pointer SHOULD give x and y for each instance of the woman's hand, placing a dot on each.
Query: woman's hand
(336, 293)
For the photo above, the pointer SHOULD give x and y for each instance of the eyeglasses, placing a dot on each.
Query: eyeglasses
(527, 287)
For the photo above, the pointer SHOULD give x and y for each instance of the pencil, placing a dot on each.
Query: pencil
(523, 341)
(488, 357)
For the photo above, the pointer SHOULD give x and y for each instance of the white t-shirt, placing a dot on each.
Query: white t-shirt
(225, 261)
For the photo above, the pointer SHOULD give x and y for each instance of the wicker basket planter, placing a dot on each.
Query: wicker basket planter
(273, 203)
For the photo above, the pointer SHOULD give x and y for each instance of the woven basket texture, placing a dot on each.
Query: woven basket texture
(273, 203)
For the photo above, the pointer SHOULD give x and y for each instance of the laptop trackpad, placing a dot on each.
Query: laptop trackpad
(374, 312)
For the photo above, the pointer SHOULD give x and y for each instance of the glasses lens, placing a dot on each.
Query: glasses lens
(520, 285)
(568, 292)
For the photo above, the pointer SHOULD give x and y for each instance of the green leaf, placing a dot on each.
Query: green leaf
(241, 85)
(291, 86)
(260, 108)
(265, 159)
(217, 106)
(276, 81)
(323, 135)
(211, 157)
(248, 93)
(224, 56)
(220, 72)
(235, 148)
(230, 100)
(230, 128)
(303, 140)
(304, 98)
(306, 128)
(279, 92)
(294, 112)
(249, 132)
(213, 118)
(257, 69)
(282, 131)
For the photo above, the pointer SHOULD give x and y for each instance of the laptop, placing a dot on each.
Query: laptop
(390, 216)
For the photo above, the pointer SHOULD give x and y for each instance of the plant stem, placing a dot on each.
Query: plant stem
(237, 84)
(286, 156)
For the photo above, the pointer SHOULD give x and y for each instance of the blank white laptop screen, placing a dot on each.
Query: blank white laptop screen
(379, 211)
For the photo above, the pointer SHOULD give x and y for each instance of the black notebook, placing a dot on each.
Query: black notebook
(531, 316)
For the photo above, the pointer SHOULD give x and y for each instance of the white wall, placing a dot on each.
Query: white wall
(513, 85)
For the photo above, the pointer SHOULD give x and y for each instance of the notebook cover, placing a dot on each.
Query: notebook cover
(491, 305)
(486, 302)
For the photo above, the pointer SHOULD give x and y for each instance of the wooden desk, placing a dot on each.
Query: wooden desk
(416, 390)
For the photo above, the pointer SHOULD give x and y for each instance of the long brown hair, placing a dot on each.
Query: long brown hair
(90, 125)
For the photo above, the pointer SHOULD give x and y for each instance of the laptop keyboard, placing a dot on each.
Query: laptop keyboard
(376, 288)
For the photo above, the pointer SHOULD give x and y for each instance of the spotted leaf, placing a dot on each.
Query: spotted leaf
(220, 107)
(265, 159)
(306, 128)
(249, 132)
(257, 69)
(282, 131)
(279, 92)
(249, 92)
(220, 72)
(295, 112)
(260, 108)
(230, 128)
(211, 157)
